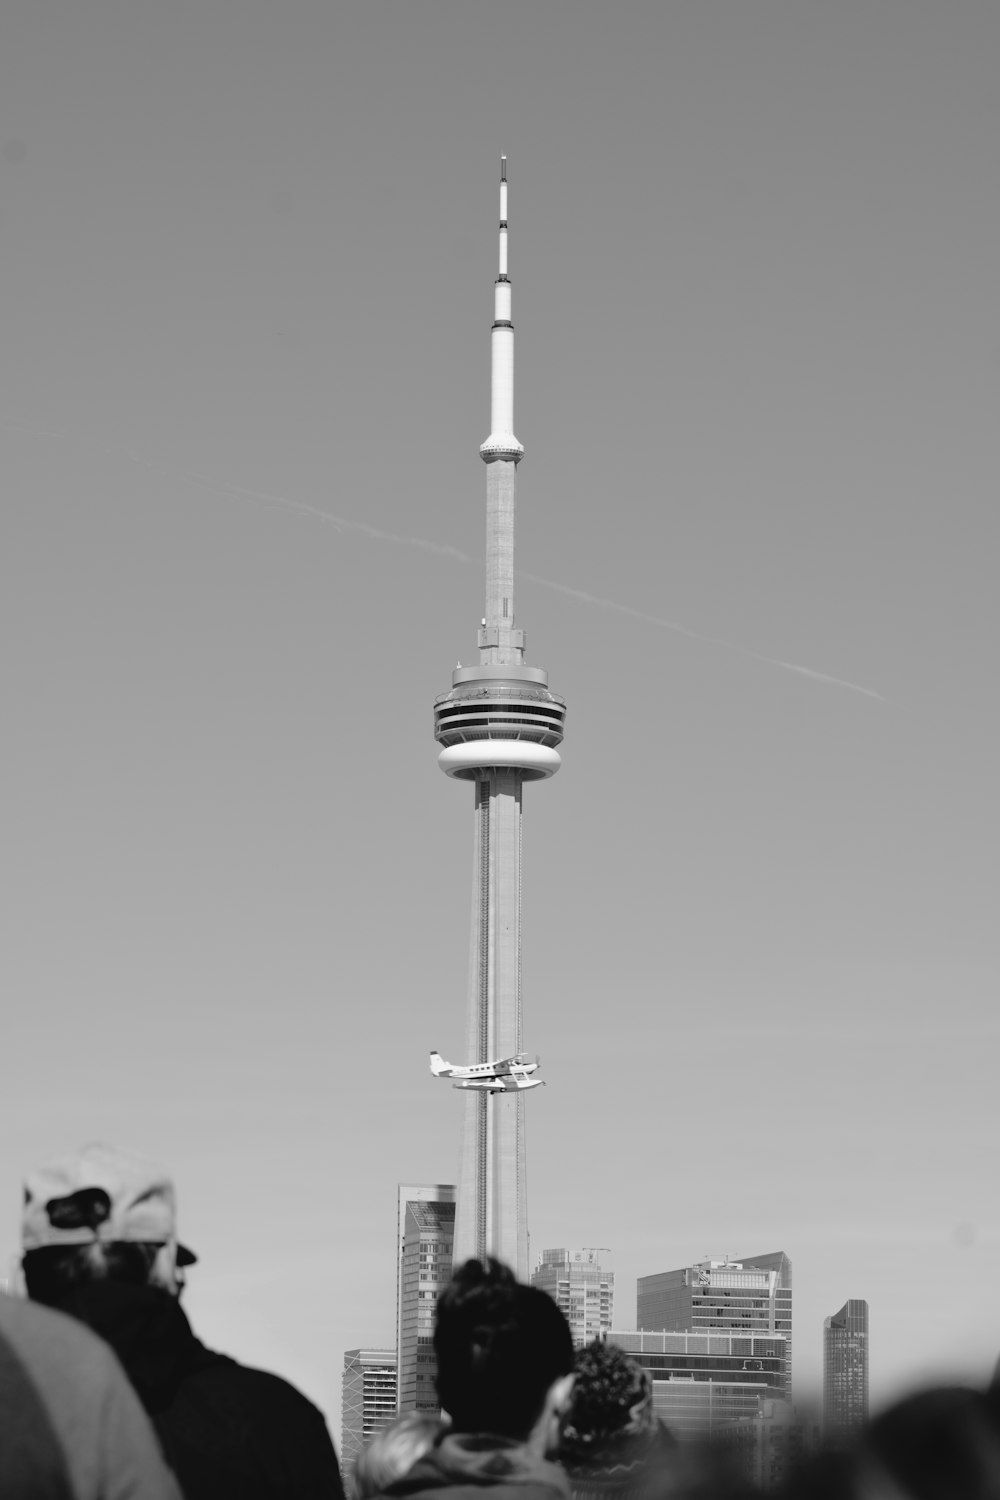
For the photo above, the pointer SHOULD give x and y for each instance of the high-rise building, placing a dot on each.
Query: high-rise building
(369, 1400)
(498, 727)
(706, 1381)
(583, 1289)
(845, 1371)
(750, 1295)
(425, 1235)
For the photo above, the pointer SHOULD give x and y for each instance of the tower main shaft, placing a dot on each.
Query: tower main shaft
(498, 727)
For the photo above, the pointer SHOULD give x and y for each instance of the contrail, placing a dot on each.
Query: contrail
(339, 523)
(440, 549)
(241, 491)
(698, 635)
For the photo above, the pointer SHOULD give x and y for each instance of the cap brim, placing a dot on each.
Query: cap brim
(186, 1257)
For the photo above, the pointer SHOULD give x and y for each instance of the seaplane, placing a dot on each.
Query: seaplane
(506, 1075)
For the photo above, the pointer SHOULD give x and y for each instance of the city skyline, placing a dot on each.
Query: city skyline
(244, 380)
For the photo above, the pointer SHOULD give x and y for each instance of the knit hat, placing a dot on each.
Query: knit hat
(611, 1442)
(612, 1398)
(100, 1194)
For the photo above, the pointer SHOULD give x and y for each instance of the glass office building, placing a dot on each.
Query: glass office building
(369, 1400)
(705, 1382)
(845, 1371)
(425, 1237)
(749, 1296)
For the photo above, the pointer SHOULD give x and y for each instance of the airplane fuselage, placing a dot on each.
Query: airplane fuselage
(503, 1067)
(506, 1074)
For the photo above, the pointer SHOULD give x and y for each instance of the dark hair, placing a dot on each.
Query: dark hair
(54, 1271)
(499, 1347)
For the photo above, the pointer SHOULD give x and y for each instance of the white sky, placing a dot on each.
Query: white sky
(247, 255)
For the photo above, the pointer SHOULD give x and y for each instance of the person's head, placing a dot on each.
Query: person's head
(934, 1445)
(612, 1398)
(102, 1214)
(393, 1451)
(504, 1354)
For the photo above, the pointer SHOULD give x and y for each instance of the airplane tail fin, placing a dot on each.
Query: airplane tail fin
(438, 1065)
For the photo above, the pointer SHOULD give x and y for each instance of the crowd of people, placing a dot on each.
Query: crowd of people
(107, 1394)
(105, 1391)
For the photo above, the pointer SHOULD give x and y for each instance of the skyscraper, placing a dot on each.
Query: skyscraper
(369, 1400)
(425, 1232)
(581, 1287)
(845, 1371)
(748, 1296)
(498, 727)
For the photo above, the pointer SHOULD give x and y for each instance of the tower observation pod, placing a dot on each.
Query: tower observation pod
(498, 727)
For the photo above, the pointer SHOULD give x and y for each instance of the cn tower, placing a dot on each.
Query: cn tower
(498, 728)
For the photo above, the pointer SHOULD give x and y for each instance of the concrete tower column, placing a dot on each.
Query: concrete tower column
(506, 643)
(493, 1167)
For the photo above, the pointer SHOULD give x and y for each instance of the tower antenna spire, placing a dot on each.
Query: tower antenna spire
(501, 442)
(500, 641)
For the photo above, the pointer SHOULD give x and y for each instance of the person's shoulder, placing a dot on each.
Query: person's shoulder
(29, 1320)
(39, 1335)
(76, 1399)
(425, 1484)
(228, 1385)
(256, 1385)
(446, 1470)
(263, 1433)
